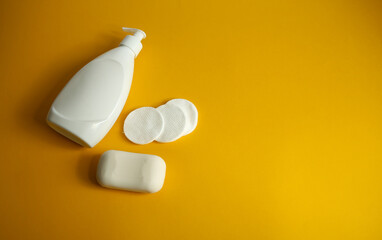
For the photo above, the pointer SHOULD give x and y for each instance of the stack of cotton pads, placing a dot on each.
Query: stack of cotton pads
(167, 123)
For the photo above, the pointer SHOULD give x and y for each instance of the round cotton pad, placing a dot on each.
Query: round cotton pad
(143, 125)
(190, 111)
(174, 123)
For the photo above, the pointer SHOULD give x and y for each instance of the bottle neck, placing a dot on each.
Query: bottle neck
(132, 42)
(128, 49)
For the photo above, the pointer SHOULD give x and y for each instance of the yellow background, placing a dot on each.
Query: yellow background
(288, 144)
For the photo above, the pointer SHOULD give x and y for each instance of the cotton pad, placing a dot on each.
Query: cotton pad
(143, 125)
(190, 111)
(131, 171)
(174, 123)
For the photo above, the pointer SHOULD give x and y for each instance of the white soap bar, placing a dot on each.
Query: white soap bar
(131, 171)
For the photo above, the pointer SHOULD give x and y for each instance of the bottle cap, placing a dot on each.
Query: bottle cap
(133, 41)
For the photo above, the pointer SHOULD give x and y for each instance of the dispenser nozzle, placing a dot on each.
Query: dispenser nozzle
(136, 32)
(133, 41)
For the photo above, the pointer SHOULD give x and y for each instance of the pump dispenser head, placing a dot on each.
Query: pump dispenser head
(133, 41)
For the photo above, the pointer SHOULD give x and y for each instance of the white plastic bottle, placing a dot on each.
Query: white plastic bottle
(92, 100)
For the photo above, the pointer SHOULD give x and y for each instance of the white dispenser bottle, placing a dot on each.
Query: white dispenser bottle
(92, 100)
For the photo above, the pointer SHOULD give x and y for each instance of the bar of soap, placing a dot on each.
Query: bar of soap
(131, 171)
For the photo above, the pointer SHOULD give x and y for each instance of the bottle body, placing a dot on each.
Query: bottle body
(92, 100)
